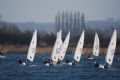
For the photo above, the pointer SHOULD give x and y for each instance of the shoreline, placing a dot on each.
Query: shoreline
(40, 50)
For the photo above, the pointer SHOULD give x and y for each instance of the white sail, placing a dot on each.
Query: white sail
(79, 48)
(96, 45)
(61, 36)
(111, 48)
(57, 48)
(57, 34)
(64, 47)
(60, 42)
(32, 47)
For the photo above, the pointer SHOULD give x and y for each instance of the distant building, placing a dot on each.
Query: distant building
(68, 21)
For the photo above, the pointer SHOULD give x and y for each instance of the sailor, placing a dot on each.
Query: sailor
(52, 62)
(46, 61)
(96, 64)
(21, 62)
(1, 54)
(106, 65)
(70, 62)
(101, 66)
(67, 61)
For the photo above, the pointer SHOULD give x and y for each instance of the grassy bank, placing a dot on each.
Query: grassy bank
(24, 49)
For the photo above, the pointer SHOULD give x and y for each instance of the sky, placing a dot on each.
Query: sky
(45, 10)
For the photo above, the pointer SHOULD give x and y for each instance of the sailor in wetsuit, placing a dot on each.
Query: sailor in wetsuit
(101, 66)
(46, 61)
(1, 54)
(70, 62)
(22, 62)
(96, 64)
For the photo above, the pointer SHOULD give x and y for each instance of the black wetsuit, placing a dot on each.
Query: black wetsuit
(96, 65)
(68, 61)
(46, 60)
(106, 66)
(73, 63)
(20, 61)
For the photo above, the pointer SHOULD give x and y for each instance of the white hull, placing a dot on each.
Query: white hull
(2, 57)
(91, 58)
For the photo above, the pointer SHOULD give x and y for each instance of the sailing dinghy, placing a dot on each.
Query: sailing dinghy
(78, 51)
(79, 48)
(110, 52)
(95, 47)
(56, 49)
(2, 56)
(64, 47)
(111, 49)
(31, 50)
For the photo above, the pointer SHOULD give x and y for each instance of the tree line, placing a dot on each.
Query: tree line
(10, 34)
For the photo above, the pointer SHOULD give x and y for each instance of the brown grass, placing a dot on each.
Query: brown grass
(22, 49)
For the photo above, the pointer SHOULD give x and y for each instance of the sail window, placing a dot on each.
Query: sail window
(30, 57)
(109, 59)
(77, 57)
(54, 57)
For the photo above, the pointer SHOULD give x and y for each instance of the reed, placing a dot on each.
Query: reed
(24, 49)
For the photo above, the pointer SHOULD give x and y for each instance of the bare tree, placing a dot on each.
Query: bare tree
(83, 21)
(70, 21)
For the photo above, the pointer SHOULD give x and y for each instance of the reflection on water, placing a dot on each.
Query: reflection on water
(11, 70)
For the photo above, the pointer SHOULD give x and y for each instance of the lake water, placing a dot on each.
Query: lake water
(11, 70)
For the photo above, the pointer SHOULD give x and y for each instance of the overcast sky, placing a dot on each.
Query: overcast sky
(45, 10)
